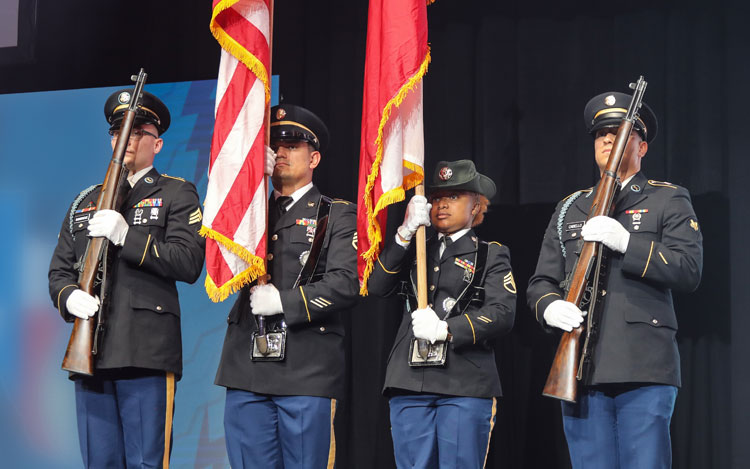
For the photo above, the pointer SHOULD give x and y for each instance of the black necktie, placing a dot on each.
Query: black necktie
(446, 241)
(283, 202)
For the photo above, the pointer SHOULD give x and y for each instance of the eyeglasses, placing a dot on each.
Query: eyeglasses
(134, 134)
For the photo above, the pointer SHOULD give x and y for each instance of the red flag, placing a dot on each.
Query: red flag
(234, 218)
(391, 157)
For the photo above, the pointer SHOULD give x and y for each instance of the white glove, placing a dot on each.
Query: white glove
(417, 214)
(109, 224)
(564, 315)
(81, 304)
(270, 162)
(427, 325)
(607, 231)
(265, 300)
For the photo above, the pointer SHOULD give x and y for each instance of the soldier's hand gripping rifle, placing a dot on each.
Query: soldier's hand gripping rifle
(562, 382)
(79, 356)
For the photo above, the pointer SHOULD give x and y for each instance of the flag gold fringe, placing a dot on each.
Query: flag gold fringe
(228, 43)
(374, 231)
(256, 269)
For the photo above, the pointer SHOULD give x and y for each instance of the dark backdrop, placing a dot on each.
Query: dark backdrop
(506, 87)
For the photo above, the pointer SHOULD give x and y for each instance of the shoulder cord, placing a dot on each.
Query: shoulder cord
(76, 203)
(561, 219)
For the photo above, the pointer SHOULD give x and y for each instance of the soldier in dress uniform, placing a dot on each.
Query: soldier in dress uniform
(631, 368)
(443, 406)
(281, 401)
(125, 410)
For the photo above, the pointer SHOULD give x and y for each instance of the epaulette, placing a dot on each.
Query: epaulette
(173, 177)
(661, 184)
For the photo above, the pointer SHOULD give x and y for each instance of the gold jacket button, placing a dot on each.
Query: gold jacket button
(437, 268)
(268, 278)
(322, 328)
(655, 321)
(432, 287)
(158, 307)
(269, 256)
(274, 237)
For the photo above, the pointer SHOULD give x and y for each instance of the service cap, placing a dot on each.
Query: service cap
(295, 123)
(461, 175)
(151, 111)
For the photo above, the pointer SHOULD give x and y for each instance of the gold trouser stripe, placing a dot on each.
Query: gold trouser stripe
(651, 251)
(60, 293)
(492, 425)
(332, 447)
(145, 250)
(662, 258)
(168, 419)
(536, 305)
(386, 270)
(304, 300)
(473, 333)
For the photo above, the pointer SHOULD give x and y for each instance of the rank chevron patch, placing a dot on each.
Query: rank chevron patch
(509, 283)
(195, 216)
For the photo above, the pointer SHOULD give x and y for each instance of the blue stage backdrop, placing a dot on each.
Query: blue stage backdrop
(52, 145)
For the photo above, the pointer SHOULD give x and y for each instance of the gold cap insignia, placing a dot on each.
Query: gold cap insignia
(610, 100)
(124, 97)
(280, 113)
(446, 173)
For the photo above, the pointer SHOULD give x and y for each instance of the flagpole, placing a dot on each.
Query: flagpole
(260, 339)
(422, 345)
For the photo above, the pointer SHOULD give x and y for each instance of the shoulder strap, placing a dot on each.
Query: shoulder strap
(321, 226)
(477, 279)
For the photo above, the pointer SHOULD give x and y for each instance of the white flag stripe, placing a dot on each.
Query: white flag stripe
(227, 67)
(256, 13)
(231, 157)
(235, 263)
(250, 232)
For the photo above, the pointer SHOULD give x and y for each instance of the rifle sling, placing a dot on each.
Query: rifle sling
(321, 226)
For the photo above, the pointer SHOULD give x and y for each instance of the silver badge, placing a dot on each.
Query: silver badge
(303, 257)
(448, 304)
(124, 97)
(154, 213)
(636, 217)
(137, 217)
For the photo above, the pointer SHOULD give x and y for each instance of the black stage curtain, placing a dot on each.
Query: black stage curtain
(506, 87)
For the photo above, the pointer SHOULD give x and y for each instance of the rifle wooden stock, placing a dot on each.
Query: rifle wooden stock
(79, 356)
(562, 381)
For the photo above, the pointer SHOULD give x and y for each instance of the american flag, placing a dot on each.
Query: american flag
(391, 159)
(234, 220)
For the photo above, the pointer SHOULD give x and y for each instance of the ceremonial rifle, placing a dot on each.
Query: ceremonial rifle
(82, 347)
(566, 371)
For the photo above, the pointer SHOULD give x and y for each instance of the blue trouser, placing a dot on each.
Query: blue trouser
(618, 427)
(122, 419)
(279, 432)
(431, 431)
